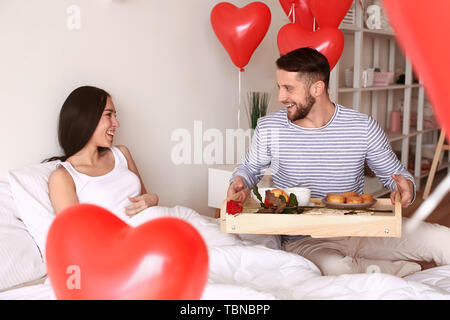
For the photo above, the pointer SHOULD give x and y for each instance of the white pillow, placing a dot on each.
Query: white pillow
(29, 186)
(20, 259)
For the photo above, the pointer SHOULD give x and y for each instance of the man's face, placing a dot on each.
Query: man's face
(294, 94)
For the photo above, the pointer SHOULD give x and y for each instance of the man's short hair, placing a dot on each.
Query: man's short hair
(309, 63)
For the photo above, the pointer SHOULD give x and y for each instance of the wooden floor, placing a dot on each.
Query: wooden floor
(441, 214)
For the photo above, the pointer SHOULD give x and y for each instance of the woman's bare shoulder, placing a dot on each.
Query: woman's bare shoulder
(124, 149)
(60, 176)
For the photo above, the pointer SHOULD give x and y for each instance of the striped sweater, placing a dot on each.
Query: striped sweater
(324, 160)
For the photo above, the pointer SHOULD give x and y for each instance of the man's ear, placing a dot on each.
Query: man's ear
(317, 88)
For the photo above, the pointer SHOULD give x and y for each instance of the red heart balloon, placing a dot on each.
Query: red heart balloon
(92, 254)
(301, 12)
(240, 30)
(421, 27)
(328, 41)
(329, 13)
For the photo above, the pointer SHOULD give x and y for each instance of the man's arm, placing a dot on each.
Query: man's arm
(385, 164)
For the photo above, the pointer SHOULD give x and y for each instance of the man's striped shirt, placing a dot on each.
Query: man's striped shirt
(325, 160)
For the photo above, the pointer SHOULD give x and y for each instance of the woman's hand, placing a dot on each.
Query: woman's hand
(141, 203)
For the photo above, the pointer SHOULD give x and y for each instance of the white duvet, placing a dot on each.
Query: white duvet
(254, 267)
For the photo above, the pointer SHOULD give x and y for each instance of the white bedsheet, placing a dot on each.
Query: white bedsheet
(253, 267)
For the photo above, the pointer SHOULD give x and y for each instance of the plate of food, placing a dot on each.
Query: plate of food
(349, 200)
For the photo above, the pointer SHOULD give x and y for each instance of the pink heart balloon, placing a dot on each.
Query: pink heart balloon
(421, 28)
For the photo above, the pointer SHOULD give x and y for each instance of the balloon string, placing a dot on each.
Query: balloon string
(239, 108)
(292, 12)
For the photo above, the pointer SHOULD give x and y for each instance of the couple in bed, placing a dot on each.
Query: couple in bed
(312, 143)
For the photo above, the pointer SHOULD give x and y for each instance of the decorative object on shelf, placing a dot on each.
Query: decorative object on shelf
(383, 78)
(429, 121)
(258, 102)
(395, 123)
(349, 77)
(240, 31)
(401, 78)
(328, 41)
(349, 18)
(367, 77)
(298, 12)
(373, 17)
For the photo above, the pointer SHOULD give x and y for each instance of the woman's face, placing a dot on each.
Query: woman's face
(104, 133)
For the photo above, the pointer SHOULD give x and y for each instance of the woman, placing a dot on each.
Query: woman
(92, 169)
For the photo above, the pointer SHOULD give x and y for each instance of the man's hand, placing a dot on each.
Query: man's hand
(406, 189)
(237, 186)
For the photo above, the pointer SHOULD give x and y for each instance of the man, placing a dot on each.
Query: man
(317, 144)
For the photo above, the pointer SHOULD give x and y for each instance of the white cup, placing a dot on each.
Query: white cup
(303, 195)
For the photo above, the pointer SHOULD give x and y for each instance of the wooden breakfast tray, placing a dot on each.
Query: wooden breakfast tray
(318, 223)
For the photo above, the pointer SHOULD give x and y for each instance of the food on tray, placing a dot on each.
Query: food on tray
(277, 201)
(275, 197)
(278, 192)
(349, 197)
(366, 197)
(350, 194)
(353, 199)
(335, 198)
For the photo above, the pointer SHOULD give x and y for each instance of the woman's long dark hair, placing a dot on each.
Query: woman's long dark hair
(78, 118)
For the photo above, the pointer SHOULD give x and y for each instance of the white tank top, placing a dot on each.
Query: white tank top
(110, 191)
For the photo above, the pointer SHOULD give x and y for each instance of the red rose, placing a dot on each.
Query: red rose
(234, 207)
(267, 203)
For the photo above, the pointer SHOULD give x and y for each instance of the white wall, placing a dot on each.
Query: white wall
(160, 60)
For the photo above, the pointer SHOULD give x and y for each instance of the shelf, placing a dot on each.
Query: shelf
(350, 29)
(381, 191)
(395, 136)
(379, 88)
(444, 165)
(379, 48)
(385, 33)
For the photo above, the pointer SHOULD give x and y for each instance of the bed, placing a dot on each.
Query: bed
(241, 267)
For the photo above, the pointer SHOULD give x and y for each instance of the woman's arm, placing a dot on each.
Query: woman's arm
(143, 201)
(61, 190)
(132, 165)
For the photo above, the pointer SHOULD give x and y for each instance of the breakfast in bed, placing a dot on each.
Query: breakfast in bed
(292, 211)
(299, 201)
